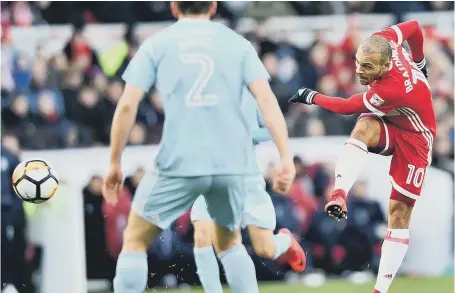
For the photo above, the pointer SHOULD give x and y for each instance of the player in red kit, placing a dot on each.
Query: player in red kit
(398, 119)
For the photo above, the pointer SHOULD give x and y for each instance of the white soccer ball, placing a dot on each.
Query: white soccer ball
(35, 181)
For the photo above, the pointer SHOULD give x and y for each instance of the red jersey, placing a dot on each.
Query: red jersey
(403, 96)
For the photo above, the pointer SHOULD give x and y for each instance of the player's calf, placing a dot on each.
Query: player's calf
(396, 241)
(366, 134)
(206, 263)
(399, 214)
(203, 231)
(263, 242)
(237, 263)
(131, 272)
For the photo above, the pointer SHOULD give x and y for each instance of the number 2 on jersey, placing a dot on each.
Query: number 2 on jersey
(196, 97)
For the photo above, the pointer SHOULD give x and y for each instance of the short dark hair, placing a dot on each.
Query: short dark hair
(378, 44)
(193, 7)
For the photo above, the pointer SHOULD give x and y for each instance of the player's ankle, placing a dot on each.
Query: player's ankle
(339, 193)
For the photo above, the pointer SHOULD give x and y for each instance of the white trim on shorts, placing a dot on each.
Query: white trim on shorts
(386, 148)
(402, 190)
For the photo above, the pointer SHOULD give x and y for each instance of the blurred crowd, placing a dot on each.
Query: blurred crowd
(333, 247)
(67, 99)
(26, 13)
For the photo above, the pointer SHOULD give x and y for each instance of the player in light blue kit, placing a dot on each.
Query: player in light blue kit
(258, 217)
(199, 69)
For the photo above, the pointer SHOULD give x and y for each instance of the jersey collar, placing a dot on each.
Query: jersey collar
(193, 19)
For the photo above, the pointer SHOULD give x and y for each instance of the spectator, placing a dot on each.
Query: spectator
(114, 92)
(366, 227)
(79, 52)
(17, 115)
(87, 113)
(138, 135)
(302, 195)
(99, 263)
(13, 224)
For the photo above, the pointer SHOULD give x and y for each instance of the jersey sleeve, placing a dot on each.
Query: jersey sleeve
(252, 66)
(380, 102)
(141, 71)
(392, 33)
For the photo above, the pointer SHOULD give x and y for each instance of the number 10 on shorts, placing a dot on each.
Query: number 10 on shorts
(415, 176)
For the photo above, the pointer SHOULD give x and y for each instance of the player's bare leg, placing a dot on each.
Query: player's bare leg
(237, 263)
(206, 263)
(268, 245)
(365, 135)
(396, 241)
(132, 270)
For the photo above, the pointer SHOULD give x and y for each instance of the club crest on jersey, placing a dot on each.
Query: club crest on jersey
(376, 100)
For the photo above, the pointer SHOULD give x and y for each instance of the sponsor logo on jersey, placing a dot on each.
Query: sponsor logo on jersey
(376, 100)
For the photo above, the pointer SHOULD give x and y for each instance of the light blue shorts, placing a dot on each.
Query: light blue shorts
(258, 209)
(162, 200)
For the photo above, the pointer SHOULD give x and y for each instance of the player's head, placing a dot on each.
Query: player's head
(373, 59)
(195, 9)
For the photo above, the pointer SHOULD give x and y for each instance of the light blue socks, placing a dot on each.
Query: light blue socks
(208, 270)
(131, 274)
(239, 269)
(282, 244)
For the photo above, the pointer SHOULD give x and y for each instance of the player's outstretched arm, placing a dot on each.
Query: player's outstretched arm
(352, 105)
(124, 117)
(411, 32)
(139, 77)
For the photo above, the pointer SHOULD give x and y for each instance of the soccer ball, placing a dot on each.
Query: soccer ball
(35, 181)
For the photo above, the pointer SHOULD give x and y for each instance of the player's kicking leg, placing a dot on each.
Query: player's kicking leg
(260, 219)
(366, 134)
(282, 246)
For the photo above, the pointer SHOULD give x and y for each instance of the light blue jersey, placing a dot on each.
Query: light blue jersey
(200, 69)
(258, 208)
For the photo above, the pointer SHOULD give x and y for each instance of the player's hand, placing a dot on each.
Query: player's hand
(113, 184)
(422, 65)
(284, 176)
(304, 96)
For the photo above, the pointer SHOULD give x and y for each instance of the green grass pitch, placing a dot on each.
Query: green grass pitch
(400, 285)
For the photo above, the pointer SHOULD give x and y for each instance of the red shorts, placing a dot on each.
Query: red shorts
(411, 157)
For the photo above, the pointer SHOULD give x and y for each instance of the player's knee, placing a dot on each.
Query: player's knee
(367, 130)
(399, 215)
(202, 235)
